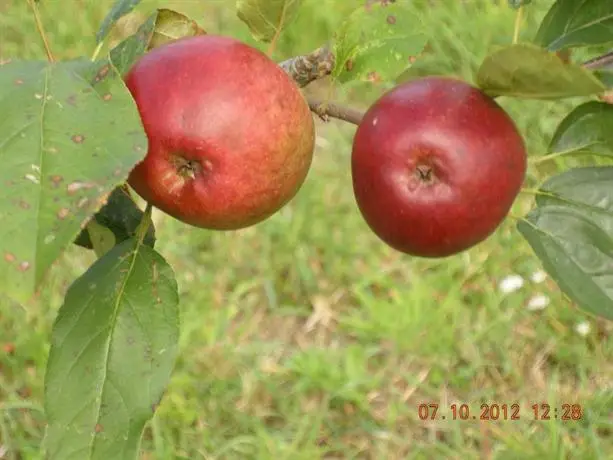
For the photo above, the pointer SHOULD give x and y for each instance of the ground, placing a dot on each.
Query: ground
(307, 338)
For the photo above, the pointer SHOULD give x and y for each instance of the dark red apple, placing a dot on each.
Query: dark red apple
(231, 136)
(436, 166)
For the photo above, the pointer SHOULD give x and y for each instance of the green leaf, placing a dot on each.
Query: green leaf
(527, 71)
(73, 134)
(587, 128)
(377, 43)
(161, 27)
(580, 187)
(267, 18)
(575, 252)
(573, 23)
(171, 26)
(570, 231)
(119, 9)
(102, 238)
(605, 76)
(121, 216)
(113, 348)
(127, 52)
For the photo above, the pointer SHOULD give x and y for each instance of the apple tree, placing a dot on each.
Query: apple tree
(65, 181)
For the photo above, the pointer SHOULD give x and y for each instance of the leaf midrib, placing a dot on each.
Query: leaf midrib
(567, 31)
(113, 321)
(43, 107)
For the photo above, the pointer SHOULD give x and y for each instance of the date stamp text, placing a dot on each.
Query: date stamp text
(513, 411)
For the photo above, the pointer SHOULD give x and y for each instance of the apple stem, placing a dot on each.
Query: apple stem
(325, 110)
(41, 29)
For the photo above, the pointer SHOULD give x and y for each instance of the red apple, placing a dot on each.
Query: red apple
(436, 166)
(231, 136)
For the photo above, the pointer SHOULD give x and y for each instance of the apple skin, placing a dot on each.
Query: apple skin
(231, 136)
(436, 166)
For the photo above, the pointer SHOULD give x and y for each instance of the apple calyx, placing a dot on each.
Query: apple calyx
(425, 173)
(189, 168)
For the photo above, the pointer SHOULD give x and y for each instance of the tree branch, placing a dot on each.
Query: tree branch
(320, 63)
(599, 62)
(325, 110)
(310, 67)
(314, 66)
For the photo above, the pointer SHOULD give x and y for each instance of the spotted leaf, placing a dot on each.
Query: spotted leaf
(70, 134)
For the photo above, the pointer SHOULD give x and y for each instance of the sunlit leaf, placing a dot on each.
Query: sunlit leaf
(120, 8)
(527, 71)
(377, 43)
(171, 25)
(128, 51)
(267, 18)
(161, 27)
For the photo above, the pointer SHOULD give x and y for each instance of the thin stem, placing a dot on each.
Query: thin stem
(8, 406)
(97, 51)
(549, 157)
(126, 190)
(515, 217)
(41, 30)
(576, 151)
(543, 192)
(145, 222)
(531, 191)
(325, 110)
(273, 42)
(518, 18)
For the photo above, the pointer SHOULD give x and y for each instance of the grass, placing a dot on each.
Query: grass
(305, 337)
